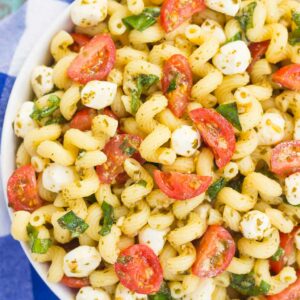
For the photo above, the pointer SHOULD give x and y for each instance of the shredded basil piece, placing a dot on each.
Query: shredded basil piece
(236, 182)
(262, 167)
(245, 17)
(144, 20)
(73, 223)
(230, 112)
(236, 37)
(56, 120)
(173, 83)
(163, 294)
(215, 188)
(108, 218)
(278, 254)
(39, 114)
(294, 36)
(127, 148)
(36, 244)
(142, 182)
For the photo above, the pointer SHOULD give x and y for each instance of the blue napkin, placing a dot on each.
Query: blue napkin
(18, 33)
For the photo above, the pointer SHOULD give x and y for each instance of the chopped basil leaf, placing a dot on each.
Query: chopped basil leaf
(294, 36)
(245, 17)
(37, 245)
(236, 37)
(39, 114)
(56, 120)
(215, 188)
(108, 218)
(230, 112)
(73, 223)
(144, 20)
(163, 294)
(173, 84)
(278, 254)
(296, 18)
(142, 182)
(127, 148)
(135, 101)
(236, 182)
(262, 167)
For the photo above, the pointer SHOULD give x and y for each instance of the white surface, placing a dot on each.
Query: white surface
(21, 93)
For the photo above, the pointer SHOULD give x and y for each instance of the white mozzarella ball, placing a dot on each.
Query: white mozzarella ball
(232, 58)
(153, 238)
(292, 188)
(297, 130)
(227, 7)
(81, 261)
(23, 122)
(214, 30)
(56, 176)
(42, 80)
(88, 13)
(255, 225)
(98, 94)
(270, 129)
(185, 140)
(89, 293)
(204, 290)
(123, 293)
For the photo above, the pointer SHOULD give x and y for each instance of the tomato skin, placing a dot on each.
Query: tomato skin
(257, 52)
(116, 156)
(285, 159)
(22, 190)
(139, 269)
(174, 12)
(75, 283)
(288, 77)
(214, 237)
(108, 112)
(181, 186)
(177, 65)
(95, 60)
(216, 132)
(82, 120)
(80, 40)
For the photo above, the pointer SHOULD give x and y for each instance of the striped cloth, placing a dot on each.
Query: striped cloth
(18, 34)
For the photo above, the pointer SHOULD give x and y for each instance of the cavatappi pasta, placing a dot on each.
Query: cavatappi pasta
(160, 154)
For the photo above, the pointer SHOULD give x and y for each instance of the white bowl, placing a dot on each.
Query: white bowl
(22, 92)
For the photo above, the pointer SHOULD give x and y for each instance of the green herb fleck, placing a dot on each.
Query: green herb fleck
(230, 112)
(236, 182)
(278, 254)
(173, 83)
(39, 114)
(36, 244)
(108, 218)
(163, 294)
(294, 36)
(245, 17)
(142, 182)
(236, 37)
(215, 188)
(127, 148)
(57, 120)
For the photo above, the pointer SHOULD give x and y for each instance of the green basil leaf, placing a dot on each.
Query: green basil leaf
(236, 182)
(294, 37)
(127, 148)
(215, 188)
(245, 17)
(296, 18)
(230, 112)
(262, 167)
(39, 114)
(144, 20)
(278, 254)
(236, 37)
(73, 223)
(108, 218)
(56, 120)
(135, 102)
(163, 294)
(37, 245)
(173, 84)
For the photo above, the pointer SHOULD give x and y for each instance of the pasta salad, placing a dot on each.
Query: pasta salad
(159, 157)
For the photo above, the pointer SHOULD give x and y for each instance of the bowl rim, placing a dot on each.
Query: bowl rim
(39, 54)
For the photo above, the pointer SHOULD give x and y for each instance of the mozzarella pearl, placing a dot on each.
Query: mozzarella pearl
(185, 140)
(23, 122)
(292, 188)
(227, 7)
(232, 58)
(214, 30)
(88, 13)
(42, 81)
(81, 261)
(56, 176)
(123, 293)
(255, 225)
(89, 293)
(98, 94)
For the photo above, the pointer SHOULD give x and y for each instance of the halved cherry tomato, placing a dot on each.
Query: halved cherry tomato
(82, 120)
(22, 190)
(95, 60)
(292, 292)
(214, 253)
(75, 283)
(217, 133)
(288, 77)
(286, 243)
(257, 52)
(108, 112)
(285, 158)
(177, 83)
(181, 186)
(139, 270)
(117, 150)
(174, 12)
(80, 40)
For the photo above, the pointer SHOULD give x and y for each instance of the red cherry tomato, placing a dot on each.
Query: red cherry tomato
(22, 190)
(82, 120)
(286, 243)
(108, 112)
(174, 12)
(216, 132)
(139, 270)
(257, 52)
(292, 292)
(288, 77)
(80, 40)
(285, 158)
(117, 150)
(95, 60)
(75, 283)
(214, 253)
(181, 186)
(177, 83)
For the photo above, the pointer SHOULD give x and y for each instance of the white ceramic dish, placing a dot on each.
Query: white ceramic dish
(22, 92)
